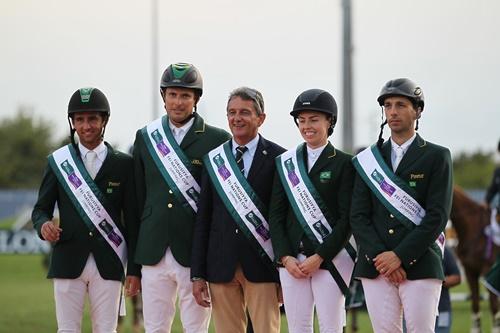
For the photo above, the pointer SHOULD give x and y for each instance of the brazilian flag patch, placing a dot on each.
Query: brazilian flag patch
(325, 176)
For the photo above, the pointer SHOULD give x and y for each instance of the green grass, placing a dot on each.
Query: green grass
(6, 224)
(27, 303)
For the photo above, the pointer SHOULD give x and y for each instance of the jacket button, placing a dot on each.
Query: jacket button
(391, 231)
(170, 191)
(236, 230)
(170, 205)
(391, 216)
(91, 234)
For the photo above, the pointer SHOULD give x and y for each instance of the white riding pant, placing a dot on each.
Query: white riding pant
(160, 285)
(386, 302)
(104, 299)
(320, 290)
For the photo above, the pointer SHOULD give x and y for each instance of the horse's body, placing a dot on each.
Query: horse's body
(476, 253)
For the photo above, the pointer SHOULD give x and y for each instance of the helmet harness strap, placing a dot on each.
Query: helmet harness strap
(72, 131)
(384, 122)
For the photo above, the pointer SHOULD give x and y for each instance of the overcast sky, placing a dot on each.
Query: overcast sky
(451, 48)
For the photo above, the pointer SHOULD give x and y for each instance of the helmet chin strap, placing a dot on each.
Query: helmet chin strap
(419, 112)
(188, 118)
(72, 137)
(104, 127)
(380, 140)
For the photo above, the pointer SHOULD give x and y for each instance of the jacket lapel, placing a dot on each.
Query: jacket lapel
(324, 158)
(414, 152)
(194, 132)
(261, 154)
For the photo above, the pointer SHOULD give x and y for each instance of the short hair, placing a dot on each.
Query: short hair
(249, 94)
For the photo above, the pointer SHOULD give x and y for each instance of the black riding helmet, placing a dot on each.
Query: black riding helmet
(402, 87)
(87, 100)
(316, 100)
(182, 75)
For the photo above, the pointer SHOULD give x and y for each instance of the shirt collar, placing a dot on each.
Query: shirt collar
(251, 146)
(315, 152)
(405, 145)
(101, 150)
(184, 128)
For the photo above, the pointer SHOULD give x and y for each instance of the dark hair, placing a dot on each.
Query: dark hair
(249, 94)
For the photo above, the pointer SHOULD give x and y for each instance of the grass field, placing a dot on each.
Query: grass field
(27, 304)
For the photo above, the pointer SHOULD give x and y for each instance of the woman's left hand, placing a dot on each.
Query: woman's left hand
(311, 264)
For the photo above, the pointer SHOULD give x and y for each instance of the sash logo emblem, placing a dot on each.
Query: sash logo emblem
(70, 171)
(386, 187)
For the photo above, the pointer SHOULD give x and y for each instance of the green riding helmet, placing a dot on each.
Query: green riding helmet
(316, 100)
(182, 75)
(88, 100)
(402, 87)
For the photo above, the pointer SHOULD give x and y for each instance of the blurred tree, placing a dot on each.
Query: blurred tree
(473, 170)
(26, 142)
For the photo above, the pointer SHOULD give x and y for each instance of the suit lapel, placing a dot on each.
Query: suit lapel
(414, 152)
(261, 154)
(193, 134)
(324, 158)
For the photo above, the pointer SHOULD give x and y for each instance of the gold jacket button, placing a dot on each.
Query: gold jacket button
(170, 205)
(391, 231)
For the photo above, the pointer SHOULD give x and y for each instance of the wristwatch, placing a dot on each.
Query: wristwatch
(195, 278)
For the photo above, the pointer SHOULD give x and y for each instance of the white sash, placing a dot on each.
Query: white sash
(390, 189)
(87, 198)
(239, 198)
(311, 212)
(172, 163)
(304, 204)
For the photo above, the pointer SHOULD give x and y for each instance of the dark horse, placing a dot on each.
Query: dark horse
(476, 252)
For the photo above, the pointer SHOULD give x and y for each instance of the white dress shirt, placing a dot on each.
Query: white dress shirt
(398, 151)
(249, 154)
(101, 150)
(313, 155)
(180, 132)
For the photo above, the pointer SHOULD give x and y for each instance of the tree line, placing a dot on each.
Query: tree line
(26, 142)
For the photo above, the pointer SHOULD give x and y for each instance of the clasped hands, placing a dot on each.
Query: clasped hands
(304, 269)
(388, 265)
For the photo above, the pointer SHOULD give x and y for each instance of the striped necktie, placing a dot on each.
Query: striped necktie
(240, 150)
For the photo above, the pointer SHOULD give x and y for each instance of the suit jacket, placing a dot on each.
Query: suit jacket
(219, 246)
(335, 189)
(427, 168)
(115, 179)
(164, 221)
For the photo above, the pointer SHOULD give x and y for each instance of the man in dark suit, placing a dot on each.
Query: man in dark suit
(90, 245)
(231, 242)
(400, 206)
(167, 161)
